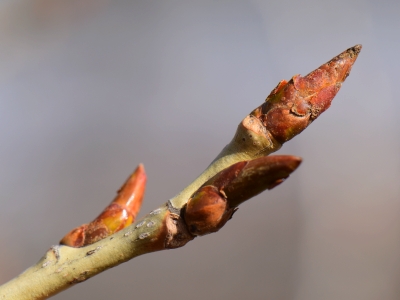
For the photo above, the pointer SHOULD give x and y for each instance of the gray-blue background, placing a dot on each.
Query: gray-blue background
(91, 88)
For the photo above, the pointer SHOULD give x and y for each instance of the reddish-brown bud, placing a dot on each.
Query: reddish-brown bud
(293, 105)
(258, 175)
(119, 214)
(215, 202)
(207, 211)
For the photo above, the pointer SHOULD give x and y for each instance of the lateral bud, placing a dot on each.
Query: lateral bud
(207, 211)
(215, 202)
(121, 212)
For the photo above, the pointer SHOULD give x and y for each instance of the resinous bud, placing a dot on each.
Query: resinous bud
(293, 105)
(207, 211)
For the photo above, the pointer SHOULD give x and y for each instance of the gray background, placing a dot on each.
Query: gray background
(91, 88)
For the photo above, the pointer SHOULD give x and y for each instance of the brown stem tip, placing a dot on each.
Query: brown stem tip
(121, 212)
(215, 201)
(293, 105)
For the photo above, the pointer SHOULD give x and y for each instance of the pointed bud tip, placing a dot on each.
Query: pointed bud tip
(355, 49)
(140, 169)
(290, 161)
(295, 161)
(351, 54)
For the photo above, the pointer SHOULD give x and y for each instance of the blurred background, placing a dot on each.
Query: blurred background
(91, 88)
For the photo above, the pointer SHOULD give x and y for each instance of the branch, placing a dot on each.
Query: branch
(239, 172)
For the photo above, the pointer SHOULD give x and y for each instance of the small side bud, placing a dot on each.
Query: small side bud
(215, 202)
(207, 211)
(121, 212)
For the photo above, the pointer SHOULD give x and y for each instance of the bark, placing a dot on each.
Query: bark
(239, 172)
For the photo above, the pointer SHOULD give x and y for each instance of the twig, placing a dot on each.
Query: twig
(207, 203)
